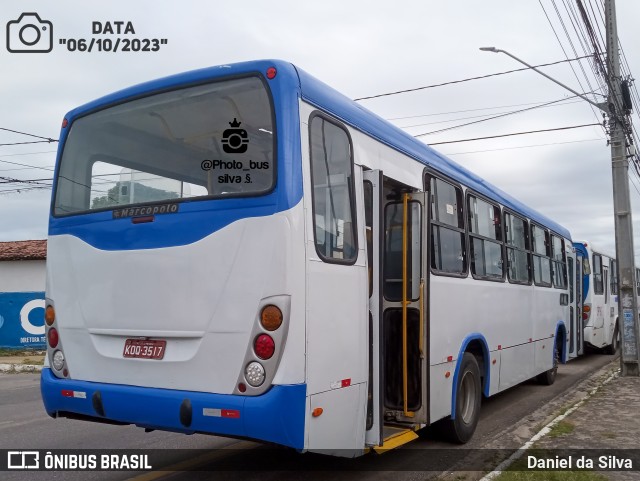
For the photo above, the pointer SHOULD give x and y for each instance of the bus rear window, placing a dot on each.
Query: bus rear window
(209, 141)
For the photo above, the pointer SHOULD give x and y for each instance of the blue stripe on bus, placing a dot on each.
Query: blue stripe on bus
(276, 416)
(487, 373)
(196, 219)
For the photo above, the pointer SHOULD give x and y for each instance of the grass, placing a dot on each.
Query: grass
(9, 352)
(562, 428)
(33, 362)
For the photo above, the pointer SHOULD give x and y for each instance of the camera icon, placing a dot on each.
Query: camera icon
(29, 34)
(235, 140)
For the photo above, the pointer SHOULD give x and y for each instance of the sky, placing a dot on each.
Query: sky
(361, 48)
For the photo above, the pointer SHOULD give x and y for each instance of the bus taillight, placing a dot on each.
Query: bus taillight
(271, 317)
(49, 315)
(52, 337)
(264, 346)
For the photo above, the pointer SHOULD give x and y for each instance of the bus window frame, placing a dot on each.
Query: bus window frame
(352, 201)
(527, 249)
(64, 139)
(553, 235)
(470, 235)
(428, 175)
(547, 242)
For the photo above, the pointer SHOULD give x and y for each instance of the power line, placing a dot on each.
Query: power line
(496, 117)
(48, 139)
(509, 135)
(32, 142)
(467, 79)
(525, 146)
(486, 115)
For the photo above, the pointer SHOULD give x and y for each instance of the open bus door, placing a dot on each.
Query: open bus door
(373, 214)
(397, 308)
(576, 334)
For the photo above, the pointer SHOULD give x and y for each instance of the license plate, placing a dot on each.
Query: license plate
(144, 348)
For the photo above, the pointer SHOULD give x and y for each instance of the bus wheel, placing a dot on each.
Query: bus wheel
(547, 378)
(615, 342)
(468, 399)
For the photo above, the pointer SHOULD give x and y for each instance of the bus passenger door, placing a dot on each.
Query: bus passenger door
(404, 327)
(575, 305)
(373, 236)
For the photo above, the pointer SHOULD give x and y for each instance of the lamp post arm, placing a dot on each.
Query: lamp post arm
(603, 106)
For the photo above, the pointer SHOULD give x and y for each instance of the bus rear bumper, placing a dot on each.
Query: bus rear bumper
(276, 416)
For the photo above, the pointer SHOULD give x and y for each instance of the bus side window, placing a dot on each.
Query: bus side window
(598, 286)
(485, 238)
(448, 253)
(333, 192)
(559, 262)
(541, 258)
(517, 240)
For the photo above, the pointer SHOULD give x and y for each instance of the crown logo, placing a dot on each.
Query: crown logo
(235, 124)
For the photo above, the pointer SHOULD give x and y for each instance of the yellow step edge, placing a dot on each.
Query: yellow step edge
(396, 440)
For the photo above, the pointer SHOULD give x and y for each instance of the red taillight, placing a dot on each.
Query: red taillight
(264, 346)
(585, 316)
(271, 73)
(53, 337)
(65, 122)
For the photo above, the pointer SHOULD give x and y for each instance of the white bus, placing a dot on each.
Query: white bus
(291, 268)
(599, 318)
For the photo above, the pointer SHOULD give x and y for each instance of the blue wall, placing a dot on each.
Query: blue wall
(22, 319)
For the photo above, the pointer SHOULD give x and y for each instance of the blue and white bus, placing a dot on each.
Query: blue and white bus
(598, 326)
(243, 251)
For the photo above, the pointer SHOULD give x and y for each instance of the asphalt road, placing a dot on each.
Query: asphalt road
(24, 425)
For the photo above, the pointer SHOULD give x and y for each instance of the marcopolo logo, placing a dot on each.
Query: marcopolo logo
(29, 34)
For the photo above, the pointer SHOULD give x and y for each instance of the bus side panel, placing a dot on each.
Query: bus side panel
(328, 433)
(336, 326)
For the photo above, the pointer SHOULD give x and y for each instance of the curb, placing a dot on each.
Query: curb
(17, 368)
(547, 428)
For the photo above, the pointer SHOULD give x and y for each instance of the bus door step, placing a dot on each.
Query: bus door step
(395, 437)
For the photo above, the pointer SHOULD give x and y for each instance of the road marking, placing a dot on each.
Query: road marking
(543, 432)
(197, 461)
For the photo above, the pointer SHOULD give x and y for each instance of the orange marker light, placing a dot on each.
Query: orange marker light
(49, 315)
(271, 317)
(447, 374)
(317, 412)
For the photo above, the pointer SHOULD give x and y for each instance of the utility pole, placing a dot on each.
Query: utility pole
(616, 108)
(627, 295)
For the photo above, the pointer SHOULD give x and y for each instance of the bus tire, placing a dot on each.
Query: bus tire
(468, 400)
(615, 342)
(547, 378)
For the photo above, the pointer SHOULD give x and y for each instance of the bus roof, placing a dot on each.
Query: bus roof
(330, 100)
(352, 113)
